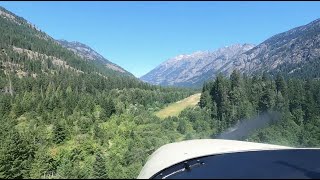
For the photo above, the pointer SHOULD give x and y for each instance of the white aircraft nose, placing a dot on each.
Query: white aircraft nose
(174, 153)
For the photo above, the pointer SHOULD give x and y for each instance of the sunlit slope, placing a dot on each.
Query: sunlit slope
(174, 109)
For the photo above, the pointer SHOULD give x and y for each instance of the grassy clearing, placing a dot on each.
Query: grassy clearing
(174, 109)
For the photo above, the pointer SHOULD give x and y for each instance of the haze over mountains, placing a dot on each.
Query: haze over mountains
(298, 45)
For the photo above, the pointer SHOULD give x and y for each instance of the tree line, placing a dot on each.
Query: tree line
(240, 97)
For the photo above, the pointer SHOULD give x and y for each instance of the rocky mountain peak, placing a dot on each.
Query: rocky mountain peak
(187, 69)
(286, 49)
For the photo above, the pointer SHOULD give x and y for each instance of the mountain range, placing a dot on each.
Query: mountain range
(66, 112)
(292, 48)
(88, 53)
(285, 52)
(194, 69)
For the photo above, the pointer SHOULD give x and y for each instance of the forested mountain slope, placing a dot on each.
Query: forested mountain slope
(26, 51)
(63, 116)
(88, 53)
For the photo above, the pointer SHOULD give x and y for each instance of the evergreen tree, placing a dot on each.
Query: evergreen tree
(15, 156)
(281, 84)
(266, 101)
(205, 100)
(99, 167)
(220, 96)
(59, 133)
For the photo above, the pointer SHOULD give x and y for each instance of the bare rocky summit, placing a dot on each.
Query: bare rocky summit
(193, 69)
(298, 45)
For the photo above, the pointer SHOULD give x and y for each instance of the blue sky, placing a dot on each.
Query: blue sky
(140, 35)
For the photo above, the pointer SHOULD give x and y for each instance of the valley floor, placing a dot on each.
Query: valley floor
(174, 109)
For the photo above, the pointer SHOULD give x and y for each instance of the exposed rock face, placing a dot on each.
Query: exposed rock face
(82, 50)
(193, 69)
(298, 45)
(294, 46)
(88, 53)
